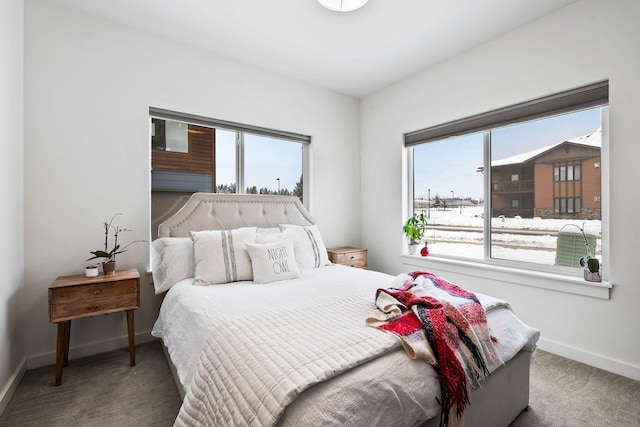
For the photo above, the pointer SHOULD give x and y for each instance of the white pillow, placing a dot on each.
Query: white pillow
(266, 235)
(221, 257)
(308, 245)
(273, 261)
(272, 235)
(171, 261)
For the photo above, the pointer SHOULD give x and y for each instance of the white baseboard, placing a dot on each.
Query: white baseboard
(47, 359)
(611, 365)
(12, 385)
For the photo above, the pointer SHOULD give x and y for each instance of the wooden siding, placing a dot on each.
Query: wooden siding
(199, 159)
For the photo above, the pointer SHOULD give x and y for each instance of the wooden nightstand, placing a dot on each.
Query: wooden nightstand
(349, 256)
(73, 297)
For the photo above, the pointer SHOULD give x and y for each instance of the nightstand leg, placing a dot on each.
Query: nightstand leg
(67, 340)
(132, 337)
(62, 349)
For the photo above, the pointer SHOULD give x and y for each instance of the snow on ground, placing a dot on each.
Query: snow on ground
(506, 245)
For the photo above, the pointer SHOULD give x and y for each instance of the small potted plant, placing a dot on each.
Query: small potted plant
(589, 262)
(92, 270)
(109, 255)
(414, 228)
(591, 269)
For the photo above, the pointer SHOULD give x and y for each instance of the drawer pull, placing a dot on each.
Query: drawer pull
(352, 257)
(97, 292)
(97, 306)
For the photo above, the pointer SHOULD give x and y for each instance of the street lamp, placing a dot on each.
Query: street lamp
(278, 179)
(452, 197)
(429, 203)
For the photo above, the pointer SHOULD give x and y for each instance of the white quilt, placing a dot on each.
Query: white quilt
(246, 351)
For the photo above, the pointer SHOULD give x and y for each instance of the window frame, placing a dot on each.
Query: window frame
(565, 278)
(240, 130)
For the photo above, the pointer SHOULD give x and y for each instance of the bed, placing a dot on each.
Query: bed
(293, 349)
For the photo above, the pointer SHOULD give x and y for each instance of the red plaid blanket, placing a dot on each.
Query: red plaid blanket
(446, 326)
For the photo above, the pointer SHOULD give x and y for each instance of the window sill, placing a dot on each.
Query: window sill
(537, 279)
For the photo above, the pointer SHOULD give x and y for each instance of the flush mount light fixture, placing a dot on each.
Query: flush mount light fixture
(343, 5)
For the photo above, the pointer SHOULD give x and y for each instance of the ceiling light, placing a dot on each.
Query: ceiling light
(343, 5)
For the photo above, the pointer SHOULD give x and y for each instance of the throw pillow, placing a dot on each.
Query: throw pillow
(308, 245)
(221, 257)
(273, 261)
(171, 261)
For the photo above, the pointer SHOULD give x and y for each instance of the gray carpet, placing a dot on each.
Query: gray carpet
(103, 390)
(566, 393)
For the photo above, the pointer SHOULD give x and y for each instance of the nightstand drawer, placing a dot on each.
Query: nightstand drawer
(91, 299)
(349, 256)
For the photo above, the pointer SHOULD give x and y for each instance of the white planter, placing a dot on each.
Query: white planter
(91, 271)
(413, 249)
(592, 277)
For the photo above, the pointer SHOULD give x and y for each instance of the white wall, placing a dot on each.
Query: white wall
(583, 43)
(88, 87)
(12, 351)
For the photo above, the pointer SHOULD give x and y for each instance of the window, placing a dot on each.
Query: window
(567, 205)
(282, 160)
(226, 161)
(169, 135)
(193, 153)
(566, 173)
(519, 174)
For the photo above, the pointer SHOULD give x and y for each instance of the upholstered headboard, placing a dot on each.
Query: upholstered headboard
(210, 211)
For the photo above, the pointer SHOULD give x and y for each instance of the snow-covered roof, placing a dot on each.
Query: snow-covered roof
(522, 157)
(592, 140)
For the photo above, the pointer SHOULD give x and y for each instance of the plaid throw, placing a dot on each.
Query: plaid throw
(446, 326)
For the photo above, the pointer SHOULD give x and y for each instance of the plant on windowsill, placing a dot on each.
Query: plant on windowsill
(589, 262)
(414, 228)
(109, 255)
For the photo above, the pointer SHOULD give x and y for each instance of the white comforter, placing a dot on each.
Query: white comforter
(390, 390)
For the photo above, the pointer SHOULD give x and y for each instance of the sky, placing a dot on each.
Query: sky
(441, 169)
(266, 160)
(436, 166)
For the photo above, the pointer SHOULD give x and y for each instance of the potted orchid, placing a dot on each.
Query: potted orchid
(109, 255)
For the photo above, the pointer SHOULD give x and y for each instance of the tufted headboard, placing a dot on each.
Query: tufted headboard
(211, 211)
